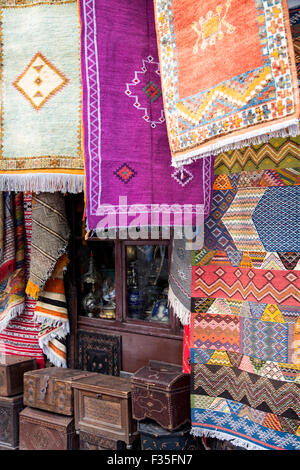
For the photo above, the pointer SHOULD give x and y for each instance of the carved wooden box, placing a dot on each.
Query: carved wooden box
(102, 406)
(12, 369)
(88, 441)
(10, 408)
(99, 352)
(41, 430)
(161, 392)
(50, 389)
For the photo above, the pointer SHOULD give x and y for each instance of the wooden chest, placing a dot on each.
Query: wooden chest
(41, 430)
(154, 437)
(161, 392)
(50, 389)
(12, 369)
(88, 441)
(102, 406)
(10, 408)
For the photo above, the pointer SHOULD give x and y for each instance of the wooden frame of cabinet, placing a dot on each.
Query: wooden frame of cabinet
(141, 340)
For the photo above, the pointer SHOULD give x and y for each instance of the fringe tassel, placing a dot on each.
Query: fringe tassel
(42, 182)
(32, 290)
(13, 313)
(290, 129)
(200, 432)
(63, 325)
(44, 343)
(179, 309)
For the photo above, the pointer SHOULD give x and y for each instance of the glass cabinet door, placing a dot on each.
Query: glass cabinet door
(96, 265)
(147, 282)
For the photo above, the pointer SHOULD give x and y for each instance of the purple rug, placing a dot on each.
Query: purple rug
(127, 154)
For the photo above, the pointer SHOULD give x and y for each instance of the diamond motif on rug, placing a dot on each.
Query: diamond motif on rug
(152, 91)
(40, 81)
(140, 91)
(182, 176)
(125, 173)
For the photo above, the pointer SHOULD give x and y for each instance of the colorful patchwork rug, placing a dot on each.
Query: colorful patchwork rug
(50, 236)
(226, 85)
(20, 337)
(40, 96)
(245, 323)
(127, 154)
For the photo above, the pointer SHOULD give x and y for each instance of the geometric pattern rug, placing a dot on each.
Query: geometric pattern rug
(229, 75)
(244, 333)
(40, 96)
(129, 180)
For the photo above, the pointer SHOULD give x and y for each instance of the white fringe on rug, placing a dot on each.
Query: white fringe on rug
(179, 309)
(53, 336)
(237, 441)
(13, 313)
(259, 136)
(42, 182)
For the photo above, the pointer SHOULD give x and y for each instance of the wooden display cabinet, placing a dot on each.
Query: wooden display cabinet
(138, 269)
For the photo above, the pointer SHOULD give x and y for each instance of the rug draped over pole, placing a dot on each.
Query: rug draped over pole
(50, 235)
(228, 72)
(126, 146)
(52, 314)
(40, 96)
(20, 336)
(12, 267)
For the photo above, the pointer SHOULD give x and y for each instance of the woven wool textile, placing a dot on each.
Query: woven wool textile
(50, 235)
(20, 337)
(244, 327)
(40, 96)
(52, 315)
(226, 85)
(12, 273)
(125, 139)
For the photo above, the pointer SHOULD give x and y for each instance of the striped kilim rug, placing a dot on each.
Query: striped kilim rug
(52, 314)
(20, 337)
(229, 76)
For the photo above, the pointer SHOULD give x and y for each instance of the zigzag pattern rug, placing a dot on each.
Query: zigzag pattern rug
(242, 337)
(244, 334)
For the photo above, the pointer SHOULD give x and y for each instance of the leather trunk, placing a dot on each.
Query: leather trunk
(10, 408)
(50, 389)
(88, 441)
(41, 430)
(161, 392)
(103, 407)
(12, 369)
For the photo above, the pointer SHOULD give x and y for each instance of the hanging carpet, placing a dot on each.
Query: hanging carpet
(127, 154)
(40, 96)
(228, 74)
(20, 336)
